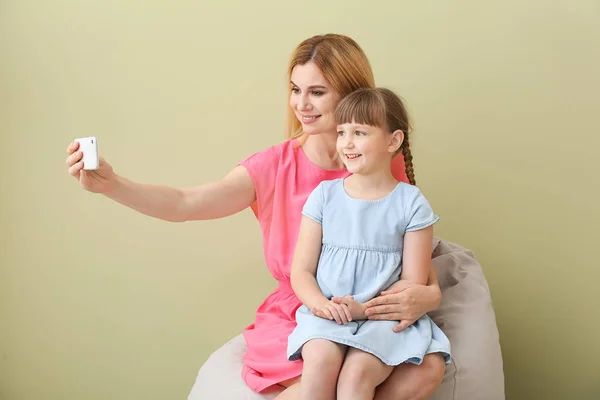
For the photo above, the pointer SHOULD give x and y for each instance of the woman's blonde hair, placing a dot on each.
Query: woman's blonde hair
(340, 59)
(382, 108)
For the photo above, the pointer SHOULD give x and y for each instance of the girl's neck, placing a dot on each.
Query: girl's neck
(372, 186)
(320, 149)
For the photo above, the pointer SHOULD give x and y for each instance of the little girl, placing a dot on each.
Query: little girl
(358, 236)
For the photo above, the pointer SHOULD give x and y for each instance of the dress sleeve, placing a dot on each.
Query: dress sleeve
(313, 208)
(419, 214)
(262, 168)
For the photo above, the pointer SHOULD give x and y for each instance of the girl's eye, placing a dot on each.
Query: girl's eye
(359, 133)
(340, 133)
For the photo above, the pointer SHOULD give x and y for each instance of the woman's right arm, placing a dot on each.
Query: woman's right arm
(221, 198)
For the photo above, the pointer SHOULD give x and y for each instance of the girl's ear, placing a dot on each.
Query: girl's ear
(396, 140)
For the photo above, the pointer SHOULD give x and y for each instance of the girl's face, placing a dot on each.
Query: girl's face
(313, 99)
(366, 149)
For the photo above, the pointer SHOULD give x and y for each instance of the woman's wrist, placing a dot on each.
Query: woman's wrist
(116, 184)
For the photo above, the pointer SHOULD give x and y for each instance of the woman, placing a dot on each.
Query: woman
(275, 184)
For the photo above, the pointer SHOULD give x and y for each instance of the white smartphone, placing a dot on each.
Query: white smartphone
(89, 147)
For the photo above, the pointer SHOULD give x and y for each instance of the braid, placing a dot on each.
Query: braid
(408, 165)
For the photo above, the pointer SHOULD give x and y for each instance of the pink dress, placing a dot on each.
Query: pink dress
(283, 178)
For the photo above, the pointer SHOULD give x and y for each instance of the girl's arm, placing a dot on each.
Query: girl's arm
(417, 268)
(304, 271)
(395, 303)
(304, 264)
(416, 257)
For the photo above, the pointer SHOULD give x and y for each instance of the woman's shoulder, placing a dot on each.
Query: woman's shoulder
(399, 168)
(264, 167)
(270, 156)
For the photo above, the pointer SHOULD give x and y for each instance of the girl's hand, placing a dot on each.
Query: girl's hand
(357, 309)
(403, 301)
(333, 311)
(97, 181)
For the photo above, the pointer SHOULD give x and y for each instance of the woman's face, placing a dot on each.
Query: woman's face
(313, 99)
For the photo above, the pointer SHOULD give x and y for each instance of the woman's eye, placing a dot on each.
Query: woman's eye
(295, 90)
(317, 93)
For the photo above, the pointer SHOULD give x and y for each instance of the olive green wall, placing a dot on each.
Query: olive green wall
(99, 302)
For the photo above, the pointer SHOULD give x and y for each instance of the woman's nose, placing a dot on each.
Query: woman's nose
(304, 103)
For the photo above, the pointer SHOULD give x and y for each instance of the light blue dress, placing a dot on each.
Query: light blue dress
(362, 255)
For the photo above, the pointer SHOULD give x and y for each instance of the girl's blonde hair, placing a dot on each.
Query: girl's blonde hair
(340, 59)
(382, 108)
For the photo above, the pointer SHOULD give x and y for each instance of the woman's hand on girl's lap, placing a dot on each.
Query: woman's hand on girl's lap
(405, 302)
(330, 310)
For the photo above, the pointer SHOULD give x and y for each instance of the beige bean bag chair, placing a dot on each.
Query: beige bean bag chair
(465, 315)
